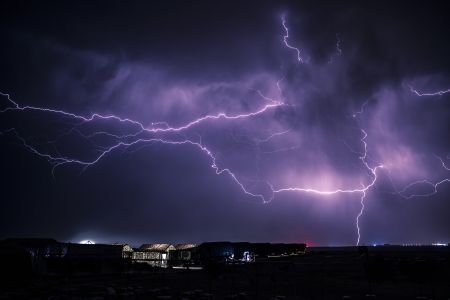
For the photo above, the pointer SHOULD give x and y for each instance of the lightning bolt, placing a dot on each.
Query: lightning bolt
(280, 91)
(433, 185)
(338, 44)
(286, 43)
(362, 190)
(361, 111)
(361, 211)
(166, 134)
(424, 182)
(154, 129)
(164, 127)
(338, 48)
(57, 161)
(442, 162)
(422, 94)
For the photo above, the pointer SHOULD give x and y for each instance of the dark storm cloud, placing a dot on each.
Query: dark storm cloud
(178, 61)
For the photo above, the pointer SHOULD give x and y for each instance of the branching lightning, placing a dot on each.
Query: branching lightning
(160, 132)
(433, 185)
(406, 191)
(422, 94)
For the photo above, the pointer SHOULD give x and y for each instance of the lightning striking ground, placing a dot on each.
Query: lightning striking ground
(58, 161)
(157, 132)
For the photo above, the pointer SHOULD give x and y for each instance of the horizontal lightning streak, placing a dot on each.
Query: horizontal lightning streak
(164, 127)
(137, 138)
(363, 158)
(434, 185)
(60, 160)
(421, 94)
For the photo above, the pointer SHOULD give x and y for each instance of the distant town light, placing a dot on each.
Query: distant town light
(89, 242)
(439, 244)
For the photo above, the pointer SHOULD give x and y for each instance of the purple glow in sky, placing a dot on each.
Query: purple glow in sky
(317, 137)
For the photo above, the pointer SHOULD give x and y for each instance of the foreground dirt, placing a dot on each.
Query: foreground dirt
(322, 273)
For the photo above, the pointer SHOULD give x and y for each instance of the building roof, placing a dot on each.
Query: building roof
(157, 247)
(185, 246)
(125, 247)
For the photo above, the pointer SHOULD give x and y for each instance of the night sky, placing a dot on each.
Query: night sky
(190, 121)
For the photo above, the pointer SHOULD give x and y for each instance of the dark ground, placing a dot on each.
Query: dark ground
(322, 273)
